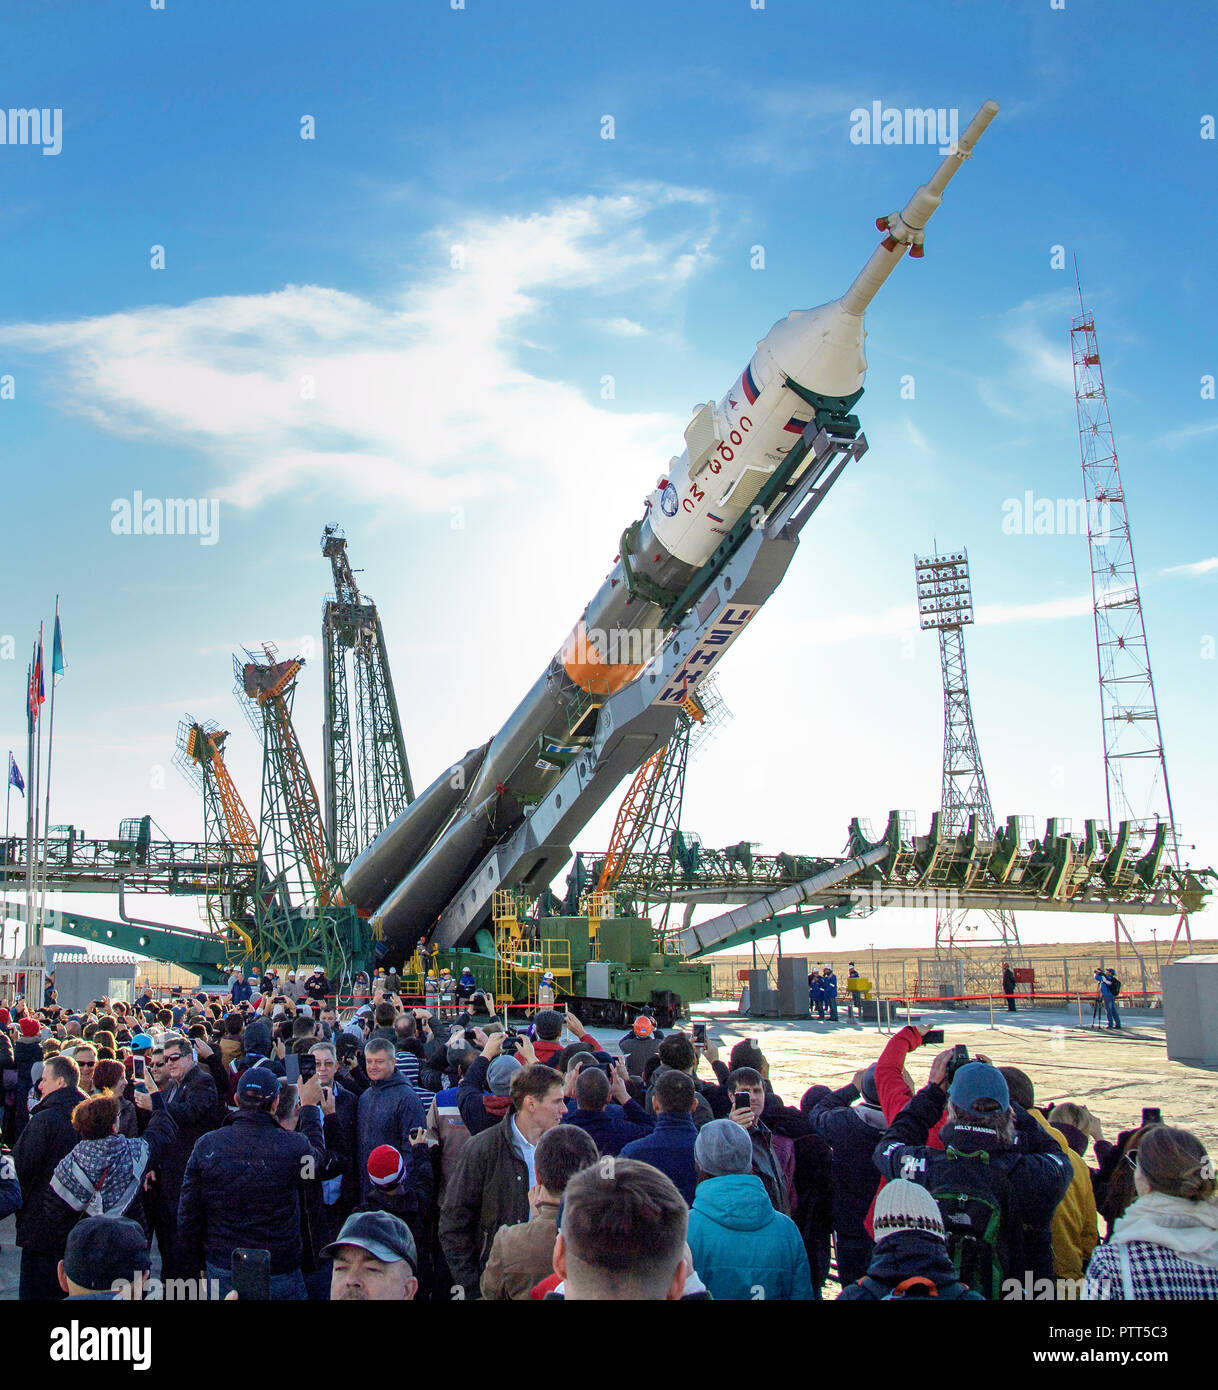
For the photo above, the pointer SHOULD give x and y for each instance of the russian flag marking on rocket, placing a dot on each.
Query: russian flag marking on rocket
(795, 425)
(749, 386)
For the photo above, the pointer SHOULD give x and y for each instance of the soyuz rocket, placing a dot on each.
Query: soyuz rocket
(708, 498)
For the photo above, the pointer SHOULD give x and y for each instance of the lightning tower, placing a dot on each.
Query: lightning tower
(1135, 766)
(945, 604)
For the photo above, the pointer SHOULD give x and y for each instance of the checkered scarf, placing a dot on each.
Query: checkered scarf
(100, 1177)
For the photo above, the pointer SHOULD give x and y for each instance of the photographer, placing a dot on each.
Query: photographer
(614, 1126)
(998, 1172)
(482, 1094)
(1109, 987)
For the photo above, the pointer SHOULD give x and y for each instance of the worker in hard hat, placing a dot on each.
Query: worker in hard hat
(643, 1041)
(547, 991)
(431, 991)
(447, 989)
(466, 985)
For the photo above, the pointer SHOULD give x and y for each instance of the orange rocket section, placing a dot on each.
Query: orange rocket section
(585, 666)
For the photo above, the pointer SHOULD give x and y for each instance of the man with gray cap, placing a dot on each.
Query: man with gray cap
(997, 1172)
(374, 1260)
(739, 1243)
(850, 1120)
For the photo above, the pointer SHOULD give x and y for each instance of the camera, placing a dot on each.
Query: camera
(958, 1058)
(511, 1041)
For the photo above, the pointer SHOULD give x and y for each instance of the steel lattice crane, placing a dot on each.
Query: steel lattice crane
(228, 832)
(363, 794)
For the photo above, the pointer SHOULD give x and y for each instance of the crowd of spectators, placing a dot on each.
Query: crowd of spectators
(278, 1141)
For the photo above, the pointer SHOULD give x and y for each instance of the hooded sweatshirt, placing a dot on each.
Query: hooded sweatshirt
(1074, 1229)
(741, 1244)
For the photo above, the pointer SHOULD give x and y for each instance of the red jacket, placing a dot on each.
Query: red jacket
(546, 1051)
(895, 1095)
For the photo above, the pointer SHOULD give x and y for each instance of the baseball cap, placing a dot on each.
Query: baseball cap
(976, 1081)
(260, 1082)
(499, 1075)
(103, 1249)
(380, 1233)
(141, 1042)
(644, 1027)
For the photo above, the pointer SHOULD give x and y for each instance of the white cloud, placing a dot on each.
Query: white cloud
(901, 619)
(1197, 567)
(622, 327)
(1175, 438)
(420, 398)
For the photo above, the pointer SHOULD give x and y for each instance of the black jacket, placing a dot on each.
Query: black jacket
(194, 1108)
(44, 1141)
(853, 1142)
(26, 1051)
(906, 1255)
(242, 1188)
(1036, 1171)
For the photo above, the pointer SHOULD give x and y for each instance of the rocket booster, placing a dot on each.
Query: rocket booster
(732, 448)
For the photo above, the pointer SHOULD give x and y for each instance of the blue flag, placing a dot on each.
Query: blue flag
(58, 665)
(14, 775)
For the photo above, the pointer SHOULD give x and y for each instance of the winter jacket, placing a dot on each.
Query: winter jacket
(740, 1244)
(1163, 1247)
(670, 1148)
(637, 1051)
(241, 992)
(703, 1114)
(26, 1051)
(1074, 1228)
(774, 1164)
(908, 1255)
(448, 1131)
(10, 1185)
(102, 1177)
(479, 1111)
(388, 1111)
(521, 1255)
(1036, 1171)
(44, 1141)
(613, 1127)
(242, 1188)
(194, 1107)
(853, 1137)
(489, 1189)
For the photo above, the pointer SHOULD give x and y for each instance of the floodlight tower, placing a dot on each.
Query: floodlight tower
(945, 604)
(1135, 765)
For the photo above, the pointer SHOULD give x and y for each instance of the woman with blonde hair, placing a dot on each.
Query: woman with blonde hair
(1165, 1245)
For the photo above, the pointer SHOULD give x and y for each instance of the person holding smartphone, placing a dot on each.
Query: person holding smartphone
(747, 1089)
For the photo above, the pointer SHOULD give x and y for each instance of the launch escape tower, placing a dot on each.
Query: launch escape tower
(1135, 766)
(366, 785)
(945, 604)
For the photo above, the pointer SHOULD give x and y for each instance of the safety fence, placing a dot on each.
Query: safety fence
(1088, 1004)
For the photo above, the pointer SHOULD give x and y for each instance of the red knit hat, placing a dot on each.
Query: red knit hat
(30, 1027)
(5, 1018)
(385, 1165)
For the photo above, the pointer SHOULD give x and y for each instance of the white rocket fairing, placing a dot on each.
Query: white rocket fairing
(734, 447)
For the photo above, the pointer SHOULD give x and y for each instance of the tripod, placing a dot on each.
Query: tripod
(1097, 1010)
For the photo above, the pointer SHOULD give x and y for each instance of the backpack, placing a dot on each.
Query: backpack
(1114, 987)
(975, 1202)
(917, 1286)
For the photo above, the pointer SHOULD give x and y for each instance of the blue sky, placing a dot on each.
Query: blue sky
(458, 428)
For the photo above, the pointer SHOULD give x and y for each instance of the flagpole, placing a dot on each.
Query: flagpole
(46, 824)
(36, 925)
(31, 707)
(8, 858)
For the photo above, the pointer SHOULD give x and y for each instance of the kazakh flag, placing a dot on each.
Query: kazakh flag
(14, 775)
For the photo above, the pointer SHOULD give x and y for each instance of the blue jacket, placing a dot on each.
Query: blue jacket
(829, 984)
(241, 991)
(243, 1187)
(670, 1148)
(613, 1127)
(388, 1110)
(10, 1188)
(742, 1247)
(816, 988)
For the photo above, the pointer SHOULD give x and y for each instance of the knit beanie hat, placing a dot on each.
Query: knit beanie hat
(723, 1147)
(385, 1166)
(499, 1075)
(870, 1091)
(904, 1206)
(30, 1027)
